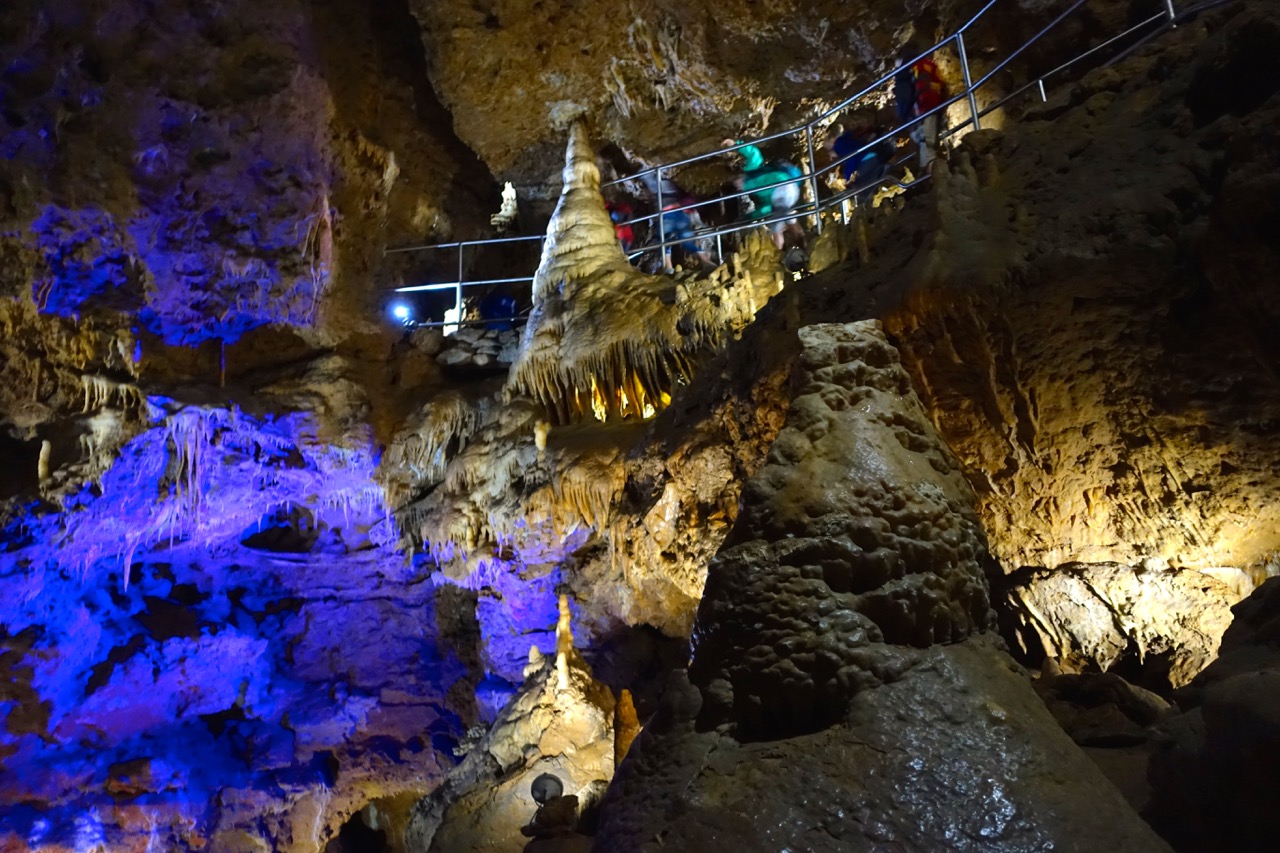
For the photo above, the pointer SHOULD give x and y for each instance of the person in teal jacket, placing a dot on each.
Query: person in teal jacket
(769, 202)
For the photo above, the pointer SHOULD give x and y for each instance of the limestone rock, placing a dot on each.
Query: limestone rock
(429, 340)
(661, 78)
(560, 723)
(824, 714)
(1093, 349)
(1091, 616)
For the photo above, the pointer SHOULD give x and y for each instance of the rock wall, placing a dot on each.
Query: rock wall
(1088, 334)
(205, 428)
(1166, 624)
(193, 204)
(653, 78)
(1212, 776)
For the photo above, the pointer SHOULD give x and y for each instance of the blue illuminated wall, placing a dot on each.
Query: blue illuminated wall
(150, 658)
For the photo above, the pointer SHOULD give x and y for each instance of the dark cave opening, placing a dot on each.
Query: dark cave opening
(356, 836)
(20, 474)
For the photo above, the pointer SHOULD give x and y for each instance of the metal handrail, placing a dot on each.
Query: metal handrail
(816, 206)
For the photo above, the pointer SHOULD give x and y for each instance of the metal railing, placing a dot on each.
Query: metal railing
(814, 206)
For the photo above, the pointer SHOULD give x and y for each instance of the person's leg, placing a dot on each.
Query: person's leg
(797, 231)
(785, 198)
(779, 237)
(869, 177)
(928, 142)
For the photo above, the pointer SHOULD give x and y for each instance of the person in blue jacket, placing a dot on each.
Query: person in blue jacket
(867, 161)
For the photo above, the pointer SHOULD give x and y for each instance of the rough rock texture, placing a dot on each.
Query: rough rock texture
(215, 170)
(1093, 337)
(561, 722)
(606, 339)
(1096, 615)
(1086, 316)
(220, 701)
(570, 476)
(193, 204)
(1113, 721)
(1213, 779)
(822, 710)
(838, 562)
(187, 617)
(663, 79)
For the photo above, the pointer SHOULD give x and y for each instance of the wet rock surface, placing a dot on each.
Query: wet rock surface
(804, 668)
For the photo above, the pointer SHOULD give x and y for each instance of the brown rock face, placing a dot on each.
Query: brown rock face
(821, 714)
(1086, 616)
(657, 78)
(1092, 347)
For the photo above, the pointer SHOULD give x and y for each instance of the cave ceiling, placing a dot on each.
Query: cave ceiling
(659, 80)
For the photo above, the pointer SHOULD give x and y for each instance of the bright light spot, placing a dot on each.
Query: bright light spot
(451, 320)
(400, 311)
(598, 407)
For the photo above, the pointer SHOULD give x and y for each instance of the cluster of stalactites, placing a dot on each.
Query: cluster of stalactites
(626, 379)
(420, 454)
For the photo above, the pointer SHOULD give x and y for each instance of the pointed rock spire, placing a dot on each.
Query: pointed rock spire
(580, 237)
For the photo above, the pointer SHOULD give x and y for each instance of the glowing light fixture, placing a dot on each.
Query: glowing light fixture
(401, 312)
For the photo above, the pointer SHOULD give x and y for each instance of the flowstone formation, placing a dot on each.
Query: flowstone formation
(177, 636)
(842, 694)
(1092, 338)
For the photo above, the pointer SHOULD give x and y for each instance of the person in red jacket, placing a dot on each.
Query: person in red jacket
(620, 212)
(928, 91)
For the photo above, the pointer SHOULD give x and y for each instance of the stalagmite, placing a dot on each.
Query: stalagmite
(564, 642)
(561, 723)
(506, 215)
(42, 465)
(843, 693)
(540, 430)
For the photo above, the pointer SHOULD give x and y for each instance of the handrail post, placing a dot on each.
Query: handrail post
(968, 81)
(662, 226)
(813, 180)
(1173, 15)
(457, 297)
